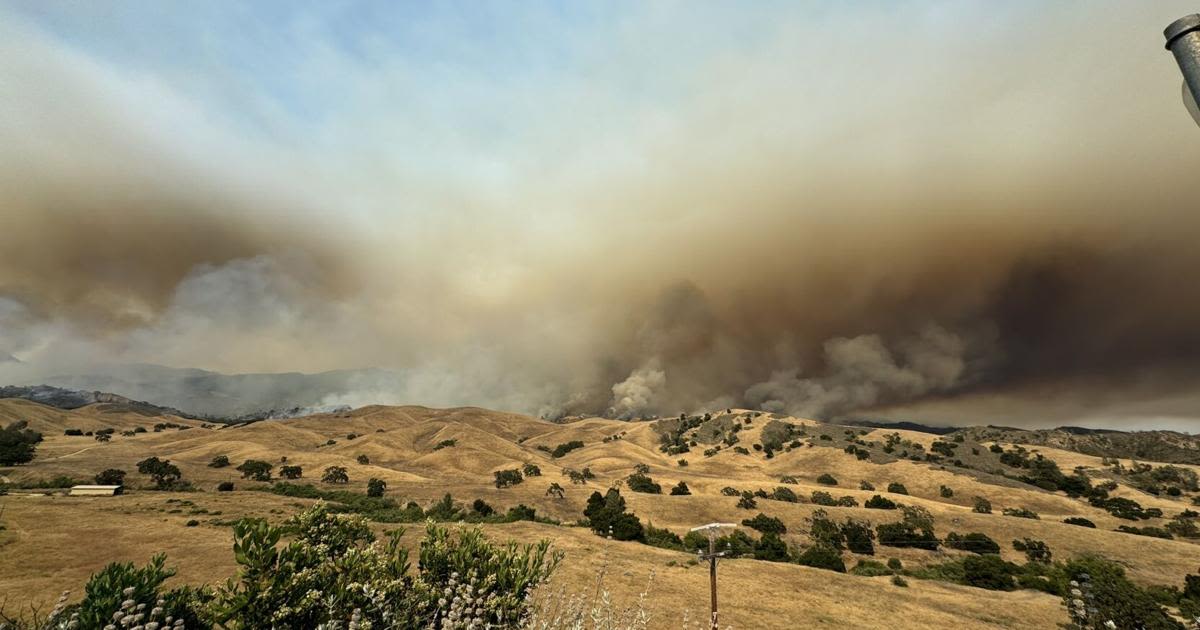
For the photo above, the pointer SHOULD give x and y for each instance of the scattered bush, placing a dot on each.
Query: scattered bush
(255, 469)
(555, 490)
(563, 449)
(878, 502)
(1153, 532)
(445, 444)
(363, 460)
(988, 571)
(111, 477)
(982, 506)
(664, 538)
(973, 542)
(770, 547)
(225, 486)
(866, 485)
(165, 474)
(765, 524)
(747, 502)
(1110, 597)
(897, 488)
(641, 482)
(607, 517)
(291, 472)
(914, 531)
(827, 479)
(220, 461)
(376, 487)
(730, 491)
(508, 478)
(531, 470)
(789, 479)
(73, 432)
(18, 444)
(822, 557)
(946, 492)
(192, 523)
(785, 494)
(899, 581)
(1080, 521)
(895, 564)
(335, 475)
(681, 489)
(1035, 550)
(859, 537)
(1021, 513)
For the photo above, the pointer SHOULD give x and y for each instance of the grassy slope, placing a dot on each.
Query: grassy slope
(53, 543)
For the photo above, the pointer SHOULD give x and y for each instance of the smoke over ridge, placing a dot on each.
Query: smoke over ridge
(976, 220)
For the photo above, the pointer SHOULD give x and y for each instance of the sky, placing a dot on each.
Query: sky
(945, 211)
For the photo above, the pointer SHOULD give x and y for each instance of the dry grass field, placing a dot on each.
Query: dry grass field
(52, 542)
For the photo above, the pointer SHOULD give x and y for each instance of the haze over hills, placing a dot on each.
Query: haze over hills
(205, 393)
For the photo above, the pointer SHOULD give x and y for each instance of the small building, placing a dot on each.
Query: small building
(95, 491)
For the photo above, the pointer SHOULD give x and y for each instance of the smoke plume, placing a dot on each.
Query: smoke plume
(727, 208)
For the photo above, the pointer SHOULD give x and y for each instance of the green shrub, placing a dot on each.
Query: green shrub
(820, 497)
(607, 516)
(111, 477)
(782, 493)
(747, 502)
(531, 470)
(663, 538)
(220, 461)
(255, 469)
(192, 523)
(946, 492)
(445, 444)
(376, 487)
(771, 547)
(859, 537)
(870, 568)
(895, 564)
(1021, 513)
(165, 474)
(822, 557)
(1035, 550)
(335, 475)
(914, 531)
(508, 478)
(878, 502)
(899, 581)
(988, 571)
(896, 487)
(563, 449)
(973, 542)
(982, 506)
(363, 460)
(225, 486)
(18, 444)
(680, 489)
(1113, 597)
(765, 524)
(641, 482)
(827, 479)
(730, 491)
(482, 508)
(291, 472)
(866, 485)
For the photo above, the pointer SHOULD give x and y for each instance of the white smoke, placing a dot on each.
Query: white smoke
(862, 372)
(637, 395)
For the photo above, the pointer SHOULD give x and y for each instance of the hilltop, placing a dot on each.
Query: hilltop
(786, 465)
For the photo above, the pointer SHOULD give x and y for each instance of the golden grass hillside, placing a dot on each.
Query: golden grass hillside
(52, 543)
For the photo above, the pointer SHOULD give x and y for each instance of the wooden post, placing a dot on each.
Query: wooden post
(712, 578)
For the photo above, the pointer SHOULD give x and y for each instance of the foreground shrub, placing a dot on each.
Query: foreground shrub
(1100, 591)
(18, 444)
(459, 576)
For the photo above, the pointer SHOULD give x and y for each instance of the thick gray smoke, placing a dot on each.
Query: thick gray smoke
(977, 216)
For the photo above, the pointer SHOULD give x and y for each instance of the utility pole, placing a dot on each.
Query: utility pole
(1183, 40)
(711, 530)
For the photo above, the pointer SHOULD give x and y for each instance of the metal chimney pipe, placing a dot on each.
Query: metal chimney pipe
(1183, 40)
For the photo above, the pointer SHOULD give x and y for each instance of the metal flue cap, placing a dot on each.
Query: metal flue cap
(1181, 27)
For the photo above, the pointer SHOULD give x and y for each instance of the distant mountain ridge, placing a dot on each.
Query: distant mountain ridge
(229, 396)
(1170, 447)
(61, 398)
